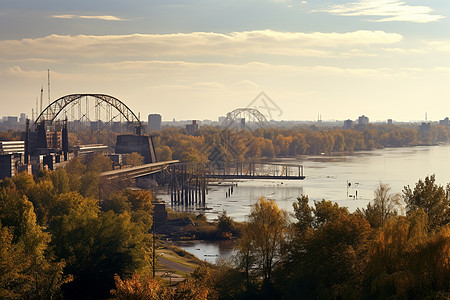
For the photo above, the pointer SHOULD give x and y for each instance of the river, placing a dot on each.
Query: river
(327, 177)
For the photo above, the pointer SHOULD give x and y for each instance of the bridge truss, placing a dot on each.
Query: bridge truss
(98, 109)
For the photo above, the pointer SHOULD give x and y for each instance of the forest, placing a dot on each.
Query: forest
(216, 143)
(210, 143)
(58, 240)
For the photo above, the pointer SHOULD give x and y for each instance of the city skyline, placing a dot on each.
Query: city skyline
(387, 59)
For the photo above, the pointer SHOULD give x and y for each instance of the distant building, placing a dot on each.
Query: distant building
(23, 118)
(154, 121)
(425, 129)
(363, 120)
(241, 124)
(10, 121)
(96, 125)
(348, 124)
(389, 121)
(445, 122)
(192, 128)
(221, 119)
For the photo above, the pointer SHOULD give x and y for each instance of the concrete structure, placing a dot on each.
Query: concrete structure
(192, 128)
(23, 118)
(9, 164)
(389, 121)
(154, 121)
(11, 147)
(445, 122)
(141, 144)
(159, 213)
(425, 129)
(348, 124)
(363, 120)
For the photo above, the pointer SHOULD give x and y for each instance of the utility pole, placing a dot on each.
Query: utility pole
(154, 251)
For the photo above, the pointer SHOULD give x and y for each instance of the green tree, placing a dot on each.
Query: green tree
(225, 223)
(433, 198)
(29, 270)
(326, 255)
(97, 246)
(60, 180)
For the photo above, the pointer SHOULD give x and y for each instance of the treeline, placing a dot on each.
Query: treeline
(212, 143)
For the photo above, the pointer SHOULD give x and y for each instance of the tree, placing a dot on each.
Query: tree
(303, 213)
(264, 236)
(60, 180)
(164, 153)
(76, 170)
(326, 255)
(433, 198)
(140, 288)
(225, 224)
(384, 206)
(96, 247)
(406, 261)
(98, 163)
(90, 184)
(27, 268)
(134, 159)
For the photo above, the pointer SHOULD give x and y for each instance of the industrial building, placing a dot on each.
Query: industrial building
(154, 122)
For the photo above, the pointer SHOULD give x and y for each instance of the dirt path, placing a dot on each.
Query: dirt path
(168, 264)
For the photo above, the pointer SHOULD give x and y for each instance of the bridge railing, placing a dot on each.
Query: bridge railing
(254, 170)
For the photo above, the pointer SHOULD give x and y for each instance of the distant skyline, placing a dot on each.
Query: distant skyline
(199, 59)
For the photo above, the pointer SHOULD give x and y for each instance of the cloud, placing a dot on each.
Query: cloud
(389, 10)
(443, 46)
(104, 18)
(197, 44)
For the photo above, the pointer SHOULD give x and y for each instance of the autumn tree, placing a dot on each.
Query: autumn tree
(406, 261)
(384, 206)
(27, 267)
(134, 159)
(265, 236)
(325, 255)
(140, 288)
(96, 245)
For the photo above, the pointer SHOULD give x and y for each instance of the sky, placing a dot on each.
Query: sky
(199, 59)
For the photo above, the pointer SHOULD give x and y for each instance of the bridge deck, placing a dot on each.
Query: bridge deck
(138, 171)
(234, 176)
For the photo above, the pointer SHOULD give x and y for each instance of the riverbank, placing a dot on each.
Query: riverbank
(173, 263)
(188, 240)
(182, 226)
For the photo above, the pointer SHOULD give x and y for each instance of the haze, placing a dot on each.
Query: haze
(198, 59)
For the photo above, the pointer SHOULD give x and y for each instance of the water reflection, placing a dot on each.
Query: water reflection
(208, 251)
(327, 177)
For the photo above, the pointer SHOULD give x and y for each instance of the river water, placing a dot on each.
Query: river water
(327, 177)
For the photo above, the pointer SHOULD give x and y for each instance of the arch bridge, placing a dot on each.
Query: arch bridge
(104, 106)
(236, 115)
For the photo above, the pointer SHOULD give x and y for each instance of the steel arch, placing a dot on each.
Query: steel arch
(238, 111)
(53, 109)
